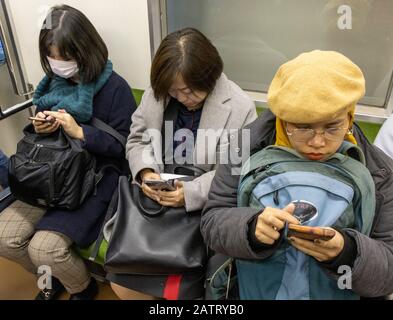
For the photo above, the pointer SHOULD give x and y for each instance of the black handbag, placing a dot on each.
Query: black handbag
(150, 239)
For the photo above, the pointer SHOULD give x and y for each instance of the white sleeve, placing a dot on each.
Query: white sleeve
(384, 139)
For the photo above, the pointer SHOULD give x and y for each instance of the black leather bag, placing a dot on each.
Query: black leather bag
(153, 240)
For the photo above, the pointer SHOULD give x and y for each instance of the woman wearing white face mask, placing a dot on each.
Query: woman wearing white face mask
(79, 84)
(64, 69)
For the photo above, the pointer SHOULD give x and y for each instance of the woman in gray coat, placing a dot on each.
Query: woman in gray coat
(200, 111)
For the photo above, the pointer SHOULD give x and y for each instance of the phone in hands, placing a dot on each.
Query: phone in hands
(162, 185)
(42, 119)
(310, 233)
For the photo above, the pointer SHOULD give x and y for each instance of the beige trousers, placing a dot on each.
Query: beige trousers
(19, 242)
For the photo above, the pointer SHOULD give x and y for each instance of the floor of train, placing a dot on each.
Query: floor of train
(18, 284)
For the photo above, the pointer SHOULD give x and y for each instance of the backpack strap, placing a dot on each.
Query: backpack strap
(99, 124)
(352, 151)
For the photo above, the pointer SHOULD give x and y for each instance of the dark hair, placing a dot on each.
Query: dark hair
(76, 38)
(189, 53)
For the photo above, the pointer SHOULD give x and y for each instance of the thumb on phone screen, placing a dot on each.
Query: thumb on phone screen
(178, 184)
(290, 208)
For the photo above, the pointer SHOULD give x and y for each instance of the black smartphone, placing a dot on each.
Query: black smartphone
(165, 185)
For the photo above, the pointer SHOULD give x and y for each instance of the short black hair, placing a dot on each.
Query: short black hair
(189, 53)
(76, 38)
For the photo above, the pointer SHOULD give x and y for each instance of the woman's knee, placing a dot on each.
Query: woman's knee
(17, 225)
(14, 236)
(49, 248)
(128, 294)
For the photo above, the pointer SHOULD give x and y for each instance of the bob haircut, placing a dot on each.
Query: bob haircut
(188, 53)
(76, 38)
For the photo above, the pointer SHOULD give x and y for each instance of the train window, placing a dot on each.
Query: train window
(255, 37)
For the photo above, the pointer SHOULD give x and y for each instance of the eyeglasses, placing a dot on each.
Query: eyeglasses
(303, 134)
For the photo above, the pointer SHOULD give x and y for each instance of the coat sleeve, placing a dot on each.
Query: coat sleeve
(102, 143)
(225, 226)
(372, 275)
(139, 148)
(196, 191)
(372, 272)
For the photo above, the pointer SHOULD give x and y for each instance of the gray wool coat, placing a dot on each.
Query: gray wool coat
(227, 107)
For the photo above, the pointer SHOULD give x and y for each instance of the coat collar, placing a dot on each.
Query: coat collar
(215, 113)
(214, 118)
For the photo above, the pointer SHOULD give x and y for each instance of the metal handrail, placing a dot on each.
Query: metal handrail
(4, 194)
(11, 67)
(15, 109)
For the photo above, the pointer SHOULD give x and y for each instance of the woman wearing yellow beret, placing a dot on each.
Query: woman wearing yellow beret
(312, 101)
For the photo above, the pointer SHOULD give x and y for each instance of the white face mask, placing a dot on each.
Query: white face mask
(64, 69)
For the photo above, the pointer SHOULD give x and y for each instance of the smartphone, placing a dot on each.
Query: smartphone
(41, 119)
(310, 233)
(164, 185)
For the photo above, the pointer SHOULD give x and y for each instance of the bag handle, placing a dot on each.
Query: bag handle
(146, 212)
(197, 171)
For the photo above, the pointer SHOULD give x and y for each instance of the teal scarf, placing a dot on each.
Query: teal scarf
(58, 93)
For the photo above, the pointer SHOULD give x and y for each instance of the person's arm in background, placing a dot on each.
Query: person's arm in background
(384, 139)
(139, 148)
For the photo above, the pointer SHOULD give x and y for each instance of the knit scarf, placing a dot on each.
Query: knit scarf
(59, 93)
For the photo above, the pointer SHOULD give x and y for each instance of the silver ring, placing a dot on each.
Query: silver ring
(275, 228)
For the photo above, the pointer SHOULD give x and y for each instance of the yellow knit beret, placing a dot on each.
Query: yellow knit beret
(315, 86)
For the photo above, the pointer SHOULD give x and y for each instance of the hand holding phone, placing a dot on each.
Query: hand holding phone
(165, 185)
(310, 233)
